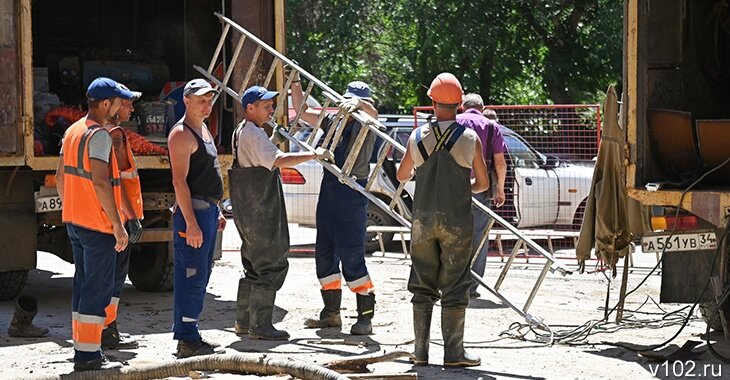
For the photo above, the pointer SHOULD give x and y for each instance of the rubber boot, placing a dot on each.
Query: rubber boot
(242, 308)
(98, 364)
(261, 309)
(111, 338)
(452, 328)
(26, 308)
(365, 312)
(422, 328)
(330, 315)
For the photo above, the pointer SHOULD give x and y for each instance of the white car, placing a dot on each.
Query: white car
(541, 190)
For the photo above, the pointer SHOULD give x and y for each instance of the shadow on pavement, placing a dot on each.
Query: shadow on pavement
(151, 312)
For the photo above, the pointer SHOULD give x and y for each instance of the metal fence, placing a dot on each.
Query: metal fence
(550, 159)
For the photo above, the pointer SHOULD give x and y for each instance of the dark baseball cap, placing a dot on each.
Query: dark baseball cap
(198, 87)
(254, 93)
(358, 89)
(104, 88)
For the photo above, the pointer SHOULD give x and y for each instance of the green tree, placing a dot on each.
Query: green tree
(328, 38)
(509, 51)
(583, 42)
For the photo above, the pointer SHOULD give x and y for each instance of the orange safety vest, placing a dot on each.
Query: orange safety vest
(130, 178)
(81, 206)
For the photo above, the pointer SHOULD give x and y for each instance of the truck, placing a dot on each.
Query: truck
(52, 50)
(676, 102)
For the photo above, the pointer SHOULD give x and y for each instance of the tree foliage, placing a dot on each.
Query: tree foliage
(509, 51)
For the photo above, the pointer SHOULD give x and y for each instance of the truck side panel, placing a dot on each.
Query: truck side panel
(9, 87)
(18, 226)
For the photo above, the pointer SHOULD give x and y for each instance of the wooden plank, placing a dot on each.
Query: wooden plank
(631, 81)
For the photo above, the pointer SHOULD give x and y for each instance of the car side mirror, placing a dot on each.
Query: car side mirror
(551, 162)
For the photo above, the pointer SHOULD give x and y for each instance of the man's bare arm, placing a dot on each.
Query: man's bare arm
(481, 179)
(287, 160)
(59, 178)
(405, 170)
(297, 97)
(180, 145)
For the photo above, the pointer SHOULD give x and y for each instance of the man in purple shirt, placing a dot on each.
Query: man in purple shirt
(494, 148)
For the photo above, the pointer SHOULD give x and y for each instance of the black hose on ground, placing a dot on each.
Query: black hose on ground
(238, 363)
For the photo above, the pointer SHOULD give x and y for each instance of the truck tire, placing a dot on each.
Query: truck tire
(377, 217)
(707, 310)
(11, 283)
(150, 270)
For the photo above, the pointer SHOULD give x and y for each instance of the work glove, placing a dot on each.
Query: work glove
(324, 155)
(350, 105)
(134, 230)
(276, 136)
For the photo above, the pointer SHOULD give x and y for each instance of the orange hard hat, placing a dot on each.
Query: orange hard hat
(445, 89)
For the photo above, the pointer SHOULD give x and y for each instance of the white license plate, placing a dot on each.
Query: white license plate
(679, 242)
(48, 203)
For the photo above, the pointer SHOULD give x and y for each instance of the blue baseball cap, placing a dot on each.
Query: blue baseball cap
(358, 89)
(198, 87)
(104, 88)
(255, 93)
(135, 94)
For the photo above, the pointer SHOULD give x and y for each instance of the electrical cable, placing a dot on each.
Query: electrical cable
(674, 228)
(716, 312)
(580, 333)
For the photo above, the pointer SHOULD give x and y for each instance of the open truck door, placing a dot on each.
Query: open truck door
(18, 225)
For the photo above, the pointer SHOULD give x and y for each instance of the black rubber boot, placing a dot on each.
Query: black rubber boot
(242, 307)
(365, 312)
(99, 364)
(330, 315)
(113, 339)
(26, 308)
(261, 309)
(422, 328)
(452, 328)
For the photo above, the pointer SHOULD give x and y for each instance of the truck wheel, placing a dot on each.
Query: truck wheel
(11, 283)
(149, 267)
(377, 217)
(707, 309)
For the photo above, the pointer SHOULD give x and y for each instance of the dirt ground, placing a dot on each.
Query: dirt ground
(562, 302)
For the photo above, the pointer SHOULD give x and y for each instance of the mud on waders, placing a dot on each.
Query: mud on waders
(442, 233)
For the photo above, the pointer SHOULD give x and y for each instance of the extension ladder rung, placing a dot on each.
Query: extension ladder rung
(370, 125)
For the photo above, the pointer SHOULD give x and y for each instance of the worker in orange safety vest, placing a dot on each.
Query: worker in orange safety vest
(132, 215)
(88, 183)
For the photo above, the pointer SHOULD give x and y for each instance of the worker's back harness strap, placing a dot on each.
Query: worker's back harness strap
(444, 141)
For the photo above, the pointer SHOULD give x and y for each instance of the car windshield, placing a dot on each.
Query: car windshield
(399, 134)
(522, 155)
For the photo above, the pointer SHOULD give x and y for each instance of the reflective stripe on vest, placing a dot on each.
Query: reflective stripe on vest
(130, 178)
(81, 204)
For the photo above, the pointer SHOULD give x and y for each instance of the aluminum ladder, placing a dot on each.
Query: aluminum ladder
(395, 208)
